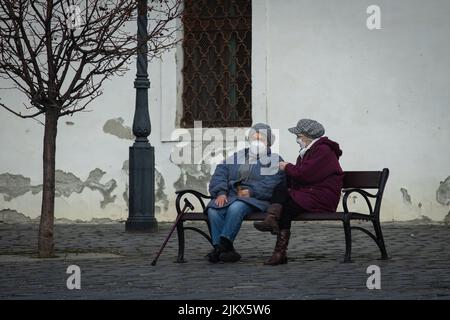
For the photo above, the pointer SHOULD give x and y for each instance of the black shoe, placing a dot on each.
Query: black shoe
(229, 256)
(213, 255)
(227, 252)
(225, 244)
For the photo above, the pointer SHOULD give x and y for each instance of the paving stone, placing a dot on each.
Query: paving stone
(116, 265)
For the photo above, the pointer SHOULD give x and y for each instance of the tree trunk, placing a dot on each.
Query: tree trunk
(45, 242)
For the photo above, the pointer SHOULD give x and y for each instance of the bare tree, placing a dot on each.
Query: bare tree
(58, 54)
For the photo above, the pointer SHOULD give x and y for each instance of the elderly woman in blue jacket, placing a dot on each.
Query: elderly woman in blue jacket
(239, 186)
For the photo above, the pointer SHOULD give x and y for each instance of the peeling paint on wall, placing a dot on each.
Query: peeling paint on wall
(116, 128)
(66, 183)
(93, 183)
(125, 168)
(10, 216)
(15, 185)
(125, 196)
(194, 176)
(447, 218)
(422, 220)
(443, 192)
(161, 201)
(406, 196)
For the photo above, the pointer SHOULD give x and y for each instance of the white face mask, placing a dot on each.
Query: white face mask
(257, 148)
(301, 143)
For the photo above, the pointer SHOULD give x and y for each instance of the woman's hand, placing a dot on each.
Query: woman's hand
(282, 165)
(221, 200)
(244, 193)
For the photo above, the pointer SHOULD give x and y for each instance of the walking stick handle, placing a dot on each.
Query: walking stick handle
(188, 204)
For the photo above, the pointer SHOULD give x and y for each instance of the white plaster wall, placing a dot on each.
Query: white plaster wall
(382, 94)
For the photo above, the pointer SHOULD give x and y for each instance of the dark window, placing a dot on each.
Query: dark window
(217, 63)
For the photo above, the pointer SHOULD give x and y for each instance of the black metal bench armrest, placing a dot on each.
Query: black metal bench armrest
(200, 196)
(194, 192)
(366, 195)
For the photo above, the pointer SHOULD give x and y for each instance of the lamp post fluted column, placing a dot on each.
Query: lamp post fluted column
(141, 216)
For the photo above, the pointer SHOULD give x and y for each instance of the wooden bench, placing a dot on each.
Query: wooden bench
(354, 182)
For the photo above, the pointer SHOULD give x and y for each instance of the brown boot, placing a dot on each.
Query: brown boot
(270, 223)
(279, 253)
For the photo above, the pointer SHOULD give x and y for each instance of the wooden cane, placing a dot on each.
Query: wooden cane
(187, 205)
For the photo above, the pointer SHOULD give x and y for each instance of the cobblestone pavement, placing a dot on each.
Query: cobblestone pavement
(116, 265)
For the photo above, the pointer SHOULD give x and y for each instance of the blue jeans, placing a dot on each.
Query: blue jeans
(226, 222)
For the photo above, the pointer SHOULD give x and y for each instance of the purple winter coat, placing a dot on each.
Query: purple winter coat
(315, 181)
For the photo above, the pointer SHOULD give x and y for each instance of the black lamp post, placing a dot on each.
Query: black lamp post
(141, 217)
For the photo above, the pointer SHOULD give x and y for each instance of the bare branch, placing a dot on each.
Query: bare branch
(59, 55)
(20, 114)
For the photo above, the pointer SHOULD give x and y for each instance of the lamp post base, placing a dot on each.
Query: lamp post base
(142, 189)
(141, 224)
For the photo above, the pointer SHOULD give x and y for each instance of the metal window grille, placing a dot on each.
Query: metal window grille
(217, 63)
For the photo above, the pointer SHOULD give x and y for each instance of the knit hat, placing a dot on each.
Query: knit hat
(309, 128)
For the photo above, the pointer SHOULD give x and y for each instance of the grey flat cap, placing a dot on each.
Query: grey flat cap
(309, 128)
(265, 130)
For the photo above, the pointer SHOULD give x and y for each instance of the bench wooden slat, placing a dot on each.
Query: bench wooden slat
(307, 216)
(362, 179)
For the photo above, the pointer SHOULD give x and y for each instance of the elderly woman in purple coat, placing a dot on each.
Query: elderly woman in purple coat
(243, 184)
(314, 184)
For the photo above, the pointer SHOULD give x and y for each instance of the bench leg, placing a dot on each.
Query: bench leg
(380, 239)
(348, 241)
(180, 233)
